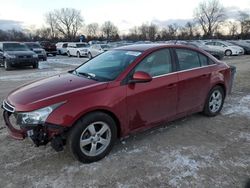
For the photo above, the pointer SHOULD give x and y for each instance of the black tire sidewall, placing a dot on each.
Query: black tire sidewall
(6, 65)
(207, 110)
(89, 55)
(73, 140)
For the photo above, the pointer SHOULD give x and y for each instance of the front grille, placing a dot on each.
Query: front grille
(24, 56)
(8, 107)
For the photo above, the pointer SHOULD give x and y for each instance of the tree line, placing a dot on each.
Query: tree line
(67, 24)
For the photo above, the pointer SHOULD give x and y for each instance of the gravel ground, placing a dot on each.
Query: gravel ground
(195, 151)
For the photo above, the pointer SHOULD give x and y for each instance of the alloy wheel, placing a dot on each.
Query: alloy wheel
(215, 101)
(95, 138)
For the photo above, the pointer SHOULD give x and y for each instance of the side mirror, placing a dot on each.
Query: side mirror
(140, 77)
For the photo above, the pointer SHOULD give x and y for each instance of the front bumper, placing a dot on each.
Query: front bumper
(22, 61)
(39, 134)
(85, 54)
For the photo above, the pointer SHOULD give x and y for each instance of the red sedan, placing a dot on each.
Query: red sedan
(125, 90)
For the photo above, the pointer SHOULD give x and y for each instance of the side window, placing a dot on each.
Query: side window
(188, 59)
(209, 43)
(157, 63)
(203, 60)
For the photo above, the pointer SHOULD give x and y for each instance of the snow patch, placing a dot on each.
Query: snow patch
(30, 76)
(238, 107)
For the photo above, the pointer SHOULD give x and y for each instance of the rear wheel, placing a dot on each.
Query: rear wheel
(7, 65)
(92, 137)
(35, 66)
(214, 101)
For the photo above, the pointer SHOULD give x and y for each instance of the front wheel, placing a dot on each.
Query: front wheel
(68, 53)
(35, 66)
(78, 54)
(92, 137)
(89, 55)
(214, 102)
(7, 65)
(228, 52)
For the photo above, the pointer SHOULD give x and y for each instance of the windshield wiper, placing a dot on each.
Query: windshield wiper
(87, 75)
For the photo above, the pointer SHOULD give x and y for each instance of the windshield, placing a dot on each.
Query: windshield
(107, 66)
(227, 43)
(105, 46)
(33, 45)
(15, 47)
(82, 45)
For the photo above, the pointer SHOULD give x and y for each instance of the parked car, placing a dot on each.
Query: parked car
(228, 48)
(49, 47)
(36, 47)
(61, 48)
(119, 92)
(79, 49)
(219, 54)
(97, 49)
(14, 54)
(242, 44)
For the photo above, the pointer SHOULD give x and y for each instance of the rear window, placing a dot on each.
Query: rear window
(188, 59)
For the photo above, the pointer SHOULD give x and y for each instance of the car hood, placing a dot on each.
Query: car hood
(20, 52)
(51, 90)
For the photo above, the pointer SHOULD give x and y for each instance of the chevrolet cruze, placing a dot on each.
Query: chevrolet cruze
(125, 90)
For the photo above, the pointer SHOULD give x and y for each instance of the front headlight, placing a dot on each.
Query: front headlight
(36, 117)
(35, 56)
(10, 56)
(84, 50)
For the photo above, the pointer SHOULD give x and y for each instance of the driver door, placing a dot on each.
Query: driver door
(154, 101)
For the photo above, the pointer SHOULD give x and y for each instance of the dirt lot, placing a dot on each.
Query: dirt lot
(196, 151)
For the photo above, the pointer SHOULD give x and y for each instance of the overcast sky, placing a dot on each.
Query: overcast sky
(123, 13)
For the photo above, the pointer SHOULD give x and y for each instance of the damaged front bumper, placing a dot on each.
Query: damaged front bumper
(39, 134)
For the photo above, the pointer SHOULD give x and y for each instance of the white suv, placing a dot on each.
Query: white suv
(79, 49)
(61, 48)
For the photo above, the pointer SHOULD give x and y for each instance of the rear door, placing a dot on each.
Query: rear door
(194, 80)
(153, 101)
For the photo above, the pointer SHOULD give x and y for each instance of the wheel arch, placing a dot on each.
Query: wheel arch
(108, 112)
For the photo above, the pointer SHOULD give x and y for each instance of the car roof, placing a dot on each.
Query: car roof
(145, 47)
(9, 42)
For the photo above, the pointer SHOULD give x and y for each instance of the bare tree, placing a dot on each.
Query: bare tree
(92, 29)
(67, 21)
(144, 31)
(109, 30)
(233, 28)
(209, 15)
(51, 21)
(152, 31)
(244, 19)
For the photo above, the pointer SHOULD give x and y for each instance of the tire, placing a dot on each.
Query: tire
(78, 54)
(35, 66)
(214, 102)
(228, 53)
(7, 66)
(68, 53)
(89, 55)
(45, 59)
(54, 54)
(97, 132)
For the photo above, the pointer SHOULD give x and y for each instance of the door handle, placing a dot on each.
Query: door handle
(171, 86)
(204, 75)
